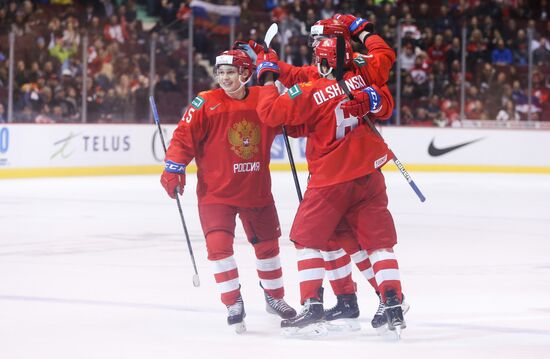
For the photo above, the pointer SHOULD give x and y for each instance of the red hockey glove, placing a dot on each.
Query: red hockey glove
(267, 62)
(241, 45)
(366, 101)
(354, 24)
(173, 178)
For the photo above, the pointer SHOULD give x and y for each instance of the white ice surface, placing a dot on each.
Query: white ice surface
(99, 268)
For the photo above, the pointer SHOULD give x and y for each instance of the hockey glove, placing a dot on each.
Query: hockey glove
(173, 178)
(247, 46)
(355, 24)
(267, 62)
(366, 101)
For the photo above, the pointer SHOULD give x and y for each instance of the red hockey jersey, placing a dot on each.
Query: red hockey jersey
(334, 152)
(231, 148)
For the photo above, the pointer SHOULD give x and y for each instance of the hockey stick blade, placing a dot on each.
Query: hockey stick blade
(270, 34)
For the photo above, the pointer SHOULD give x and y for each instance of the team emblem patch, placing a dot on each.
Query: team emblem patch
(244, 138)
(197, 102)
(294, 91)
(360, 61)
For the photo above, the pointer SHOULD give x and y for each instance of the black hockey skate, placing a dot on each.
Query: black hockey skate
(310, 321)
(394, 314)
(343, 316)
(379, 321)
(236, 315)
(278, 306)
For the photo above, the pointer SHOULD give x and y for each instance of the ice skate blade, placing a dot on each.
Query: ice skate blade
(314, 330)
(239, 328)
(397, 332)
(405, 307)
(344, 325)
(382, 330)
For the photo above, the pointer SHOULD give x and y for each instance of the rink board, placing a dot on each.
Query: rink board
(31, 150)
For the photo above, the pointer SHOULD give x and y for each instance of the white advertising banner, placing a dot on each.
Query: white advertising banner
(457, 146)
(70, 149)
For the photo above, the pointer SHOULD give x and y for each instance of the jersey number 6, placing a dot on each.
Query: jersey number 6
(344, 121)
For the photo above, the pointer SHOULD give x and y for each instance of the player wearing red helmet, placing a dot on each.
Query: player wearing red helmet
(346, 187)
(374, 67)
(231, 147)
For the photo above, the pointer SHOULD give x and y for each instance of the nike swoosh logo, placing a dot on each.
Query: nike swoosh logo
(215, 107)
(435, 152)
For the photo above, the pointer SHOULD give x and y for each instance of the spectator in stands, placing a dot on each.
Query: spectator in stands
(508, 112)
(474, 106)
(424, 19)
(62, 50)
(501, 55)
(71, 35)
(115, 30)
(433, 109)
(94, 29)
(408, 91)
(39, 53)
(438, 51)
(408, 57)
(453, 52)
(541, 56)
(438, 79)
(419, 75)
(519, 48)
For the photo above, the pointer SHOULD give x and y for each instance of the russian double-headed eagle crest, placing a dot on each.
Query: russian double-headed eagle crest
(244, 138)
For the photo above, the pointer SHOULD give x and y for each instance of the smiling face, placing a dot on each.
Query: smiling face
(229, 79)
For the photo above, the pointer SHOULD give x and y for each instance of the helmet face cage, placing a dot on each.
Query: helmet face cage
(237, 58)
(325, 53)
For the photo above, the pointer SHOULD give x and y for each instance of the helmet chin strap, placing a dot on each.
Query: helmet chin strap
(240, 86)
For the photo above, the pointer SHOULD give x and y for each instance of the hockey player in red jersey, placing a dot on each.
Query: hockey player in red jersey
(374, 67)
(231, 147)
(344, 159)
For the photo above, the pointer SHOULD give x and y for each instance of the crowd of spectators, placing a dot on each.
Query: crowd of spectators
(50, 36)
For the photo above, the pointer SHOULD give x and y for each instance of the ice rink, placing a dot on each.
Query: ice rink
(99, 268)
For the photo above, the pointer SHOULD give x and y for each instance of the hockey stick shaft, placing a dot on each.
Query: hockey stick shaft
(196, 279)
(292, 165)
(340, 53)
(270, 34)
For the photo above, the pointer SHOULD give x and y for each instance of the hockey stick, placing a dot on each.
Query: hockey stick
(340, 53)
(269, 35)
(196, 279)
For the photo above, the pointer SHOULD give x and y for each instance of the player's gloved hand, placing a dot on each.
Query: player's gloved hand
(354, 24)
(267, 62)
(365, 101)
(173, 178)
(257, 48)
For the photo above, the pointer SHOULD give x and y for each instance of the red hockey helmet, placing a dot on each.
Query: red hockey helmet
(327, 28)
(325, 53)
(237, 58)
